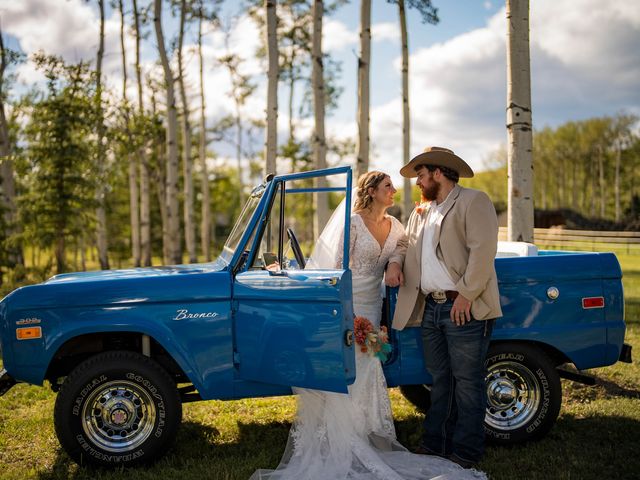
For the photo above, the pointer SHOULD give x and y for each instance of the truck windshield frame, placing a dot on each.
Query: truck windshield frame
(248, 227)
(242, 224)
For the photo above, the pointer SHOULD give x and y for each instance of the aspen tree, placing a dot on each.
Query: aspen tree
(364, 60)
(101, 188)
(319, 143)
(519, 124)
(174, 253)
(271, 143)
(187, 166)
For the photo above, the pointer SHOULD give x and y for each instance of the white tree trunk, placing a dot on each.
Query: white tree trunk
(519, 124)
(407, 203)
(292, 83)
(601, 183)
(239, 153)
(101, 191)
(319, 143)
(159, 179)
(271, 144)
(145, 200)
(617, 180)
(174, 253)
(187, 167)
(134, 194)
(145, 213)
(362, 161)
(205, 222)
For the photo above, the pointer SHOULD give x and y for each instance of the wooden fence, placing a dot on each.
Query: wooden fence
(562, 239)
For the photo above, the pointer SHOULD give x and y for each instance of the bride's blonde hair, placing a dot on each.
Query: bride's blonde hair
(365, 182)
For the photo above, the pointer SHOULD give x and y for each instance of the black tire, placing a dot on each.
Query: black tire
(523, 389)
(117, 408)
(524, 393)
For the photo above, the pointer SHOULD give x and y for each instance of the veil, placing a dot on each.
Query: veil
(327, 251)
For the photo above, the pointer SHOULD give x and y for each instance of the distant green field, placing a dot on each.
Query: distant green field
(596, 436)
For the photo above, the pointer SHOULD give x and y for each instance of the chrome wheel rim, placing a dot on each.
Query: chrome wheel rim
(119, 416)
(513, 395)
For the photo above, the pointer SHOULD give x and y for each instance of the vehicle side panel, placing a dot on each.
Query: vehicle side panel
(588, 337)
(188, 315)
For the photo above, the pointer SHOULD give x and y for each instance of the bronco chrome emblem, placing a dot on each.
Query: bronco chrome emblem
(185, 314)
(28, 321)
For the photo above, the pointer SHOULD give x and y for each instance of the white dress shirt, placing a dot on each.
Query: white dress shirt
(434, 273)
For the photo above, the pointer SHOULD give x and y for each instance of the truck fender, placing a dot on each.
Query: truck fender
(159, 335)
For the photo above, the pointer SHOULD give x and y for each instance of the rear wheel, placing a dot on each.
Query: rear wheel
(524, 394)
(117, 408)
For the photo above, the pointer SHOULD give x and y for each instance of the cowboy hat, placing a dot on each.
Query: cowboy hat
(438, 157)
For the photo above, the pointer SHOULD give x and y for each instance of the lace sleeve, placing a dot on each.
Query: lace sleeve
(352, 243)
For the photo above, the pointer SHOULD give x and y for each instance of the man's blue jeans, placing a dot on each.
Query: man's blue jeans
(454, 356)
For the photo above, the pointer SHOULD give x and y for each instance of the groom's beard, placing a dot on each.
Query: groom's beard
(430, 193)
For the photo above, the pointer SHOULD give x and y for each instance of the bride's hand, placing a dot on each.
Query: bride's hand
(393, 276)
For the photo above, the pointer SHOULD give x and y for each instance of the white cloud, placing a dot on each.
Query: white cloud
(385, 31)
(585, 62)
(336, 36)
(66, 30)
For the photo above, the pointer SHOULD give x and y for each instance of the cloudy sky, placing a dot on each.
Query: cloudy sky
(585, 60)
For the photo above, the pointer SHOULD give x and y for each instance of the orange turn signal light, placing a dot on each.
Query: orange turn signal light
(27, 333)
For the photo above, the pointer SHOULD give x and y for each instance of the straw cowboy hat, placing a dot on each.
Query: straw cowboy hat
(438, 157)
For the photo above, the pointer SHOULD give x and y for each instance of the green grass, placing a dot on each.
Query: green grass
(595, 437)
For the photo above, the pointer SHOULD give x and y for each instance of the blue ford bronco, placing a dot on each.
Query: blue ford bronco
(124, 349)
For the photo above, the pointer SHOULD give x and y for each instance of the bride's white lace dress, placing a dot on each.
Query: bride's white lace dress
(337, 436)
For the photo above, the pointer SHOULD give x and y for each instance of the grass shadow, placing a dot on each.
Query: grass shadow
(199, 452)
(586, 448)
(615, 390)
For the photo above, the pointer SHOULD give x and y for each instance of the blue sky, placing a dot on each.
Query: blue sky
(585, 59)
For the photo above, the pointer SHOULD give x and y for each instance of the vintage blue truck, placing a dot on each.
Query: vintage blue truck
(124, 349)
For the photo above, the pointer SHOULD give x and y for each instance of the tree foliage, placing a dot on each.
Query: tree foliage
(57, 170)
(428, 13)
(588, 165)
(575, 167)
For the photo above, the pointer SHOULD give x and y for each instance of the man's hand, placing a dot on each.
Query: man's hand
(461, 311)
(394, 276)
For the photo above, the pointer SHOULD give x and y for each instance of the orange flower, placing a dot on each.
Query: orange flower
(373, 342)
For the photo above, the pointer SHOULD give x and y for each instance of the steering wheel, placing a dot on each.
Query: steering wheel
(295, 246)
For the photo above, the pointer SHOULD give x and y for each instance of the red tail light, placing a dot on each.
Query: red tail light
(593, 302)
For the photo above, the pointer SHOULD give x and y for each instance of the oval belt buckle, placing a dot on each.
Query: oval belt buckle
(439, 296)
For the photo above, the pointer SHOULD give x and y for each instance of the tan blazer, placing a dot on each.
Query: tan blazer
(467, 238)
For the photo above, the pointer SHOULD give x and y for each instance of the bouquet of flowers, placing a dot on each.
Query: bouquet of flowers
(373, 342)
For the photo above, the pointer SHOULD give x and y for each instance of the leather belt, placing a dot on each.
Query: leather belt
(442, 296)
